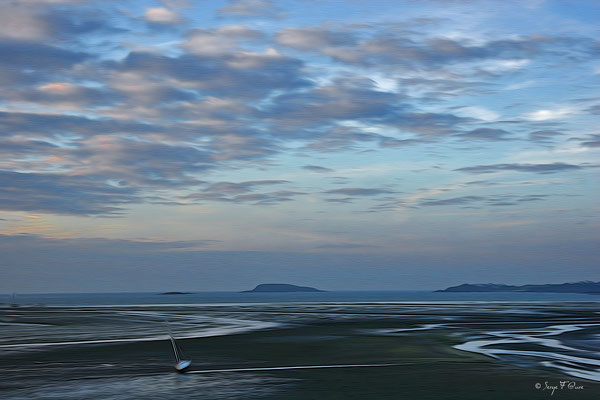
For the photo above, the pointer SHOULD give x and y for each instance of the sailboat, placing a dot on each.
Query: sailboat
(180, 365)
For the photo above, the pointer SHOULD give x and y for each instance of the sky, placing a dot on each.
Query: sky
(347, 145)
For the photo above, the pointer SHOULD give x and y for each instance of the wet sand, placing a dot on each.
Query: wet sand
(334, 351)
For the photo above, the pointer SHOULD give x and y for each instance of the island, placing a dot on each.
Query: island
(586, 287)
(280, 287)
(176, 293)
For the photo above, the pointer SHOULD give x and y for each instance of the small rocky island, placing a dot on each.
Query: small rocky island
(586, 287)
(168, 293)
(281, 287)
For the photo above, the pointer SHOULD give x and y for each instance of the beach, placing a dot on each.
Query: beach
(303, 350)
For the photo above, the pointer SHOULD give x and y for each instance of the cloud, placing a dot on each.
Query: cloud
(268, 198)
(150, 165)
(345, 99)
(316, 168)
(345, 246)
(241, 75)
(402, 49)
(453, 201)
(549, 114)
(429, 88)
(592, 141)
(332, 116)
(339, 138)
(534, 168)
(345, 200)
(242, 192)
(485, 134)
(114, 166)
(98, 167)
(80, 102)
(359, 191)
(495, 201)
(43, 21)
(63, 95)
(143, 154)
(107, 107)
(392, 142)
(428, 124)
(509, 224)
(17, 147)
(521, 85)
(76, 24)
(532, 197)
(478, 112)
(18, 22)
(55, 125)
(61, 194)
(499, 66)
(543, 136)
(99, 245)
(241, 187)
(32, 62)
(251, 9)
(220, 41)
(161, 15)
(312, 38)
(336, 116)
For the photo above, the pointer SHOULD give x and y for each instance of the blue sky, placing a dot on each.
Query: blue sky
(215, 145)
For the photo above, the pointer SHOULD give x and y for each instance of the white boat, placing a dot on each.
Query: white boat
(180, 365)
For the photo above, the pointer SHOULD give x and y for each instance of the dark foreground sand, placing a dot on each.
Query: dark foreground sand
(429, 366)
(432, 368)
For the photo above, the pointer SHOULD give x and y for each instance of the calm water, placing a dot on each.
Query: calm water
(94, 299)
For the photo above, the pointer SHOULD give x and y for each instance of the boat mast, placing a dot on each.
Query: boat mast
(175, 349)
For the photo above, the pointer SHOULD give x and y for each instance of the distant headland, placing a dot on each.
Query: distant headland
(281, 287)
(586, 287)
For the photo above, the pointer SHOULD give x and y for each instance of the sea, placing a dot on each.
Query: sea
(116, 346)
(147, 298)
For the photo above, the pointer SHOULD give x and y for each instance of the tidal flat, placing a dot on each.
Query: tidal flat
(346, 350)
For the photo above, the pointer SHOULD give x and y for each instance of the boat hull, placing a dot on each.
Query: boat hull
(182, 366)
